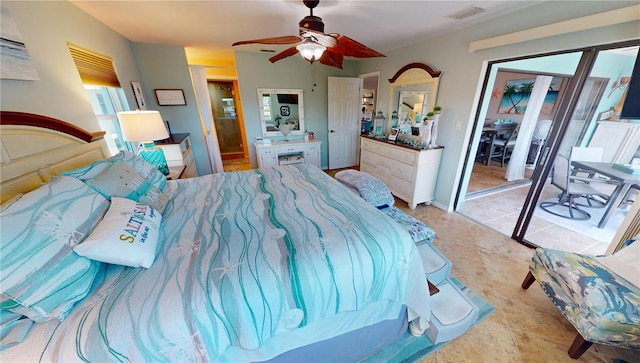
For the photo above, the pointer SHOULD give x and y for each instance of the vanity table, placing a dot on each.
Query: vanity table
(409, 173)
(282, 114)
(288, 152)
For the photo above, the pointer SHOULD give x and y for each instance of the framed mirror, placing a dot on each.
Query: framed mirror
(411, 82)
(413, 106)
(281, 111)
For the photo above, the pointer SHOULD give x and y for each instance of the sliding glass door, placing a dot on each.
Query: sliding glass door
(556, 213)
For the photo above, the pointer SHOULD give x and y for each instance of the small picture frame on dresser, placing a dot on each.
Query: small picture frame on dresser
(393, 135)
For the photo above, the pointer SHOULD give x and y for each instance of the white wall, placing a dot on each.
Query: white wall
(165, 66)
(462, 71)
(46, 27)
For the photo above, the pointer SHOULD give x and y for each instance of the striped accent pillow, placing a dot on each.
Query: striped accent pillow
(148, 171)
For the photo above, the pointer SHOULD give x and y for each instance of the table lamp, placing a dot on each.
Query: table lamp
(145, 127)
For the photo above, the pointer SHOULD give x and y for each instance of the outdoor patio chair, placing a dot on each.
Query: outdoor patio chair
(572, 187)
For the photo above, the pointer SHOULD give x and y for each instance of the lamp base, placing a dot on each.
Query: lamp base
(154, 156)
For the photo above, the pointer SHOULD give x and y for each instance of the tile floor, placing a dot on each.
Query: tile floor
(236, 164)
(501, 210)
(526, 326)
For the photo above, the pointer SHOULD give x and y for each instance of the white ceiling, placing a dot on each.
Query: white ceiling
(208, 28)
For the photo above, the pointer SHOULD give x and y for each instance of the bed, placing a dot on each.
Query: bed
(281, 264)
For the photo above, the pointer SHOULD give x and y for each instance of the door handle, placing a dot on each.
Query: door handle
(331, 131)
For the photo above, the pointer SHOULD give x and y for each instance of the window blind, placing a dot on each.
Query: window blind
(94, 69)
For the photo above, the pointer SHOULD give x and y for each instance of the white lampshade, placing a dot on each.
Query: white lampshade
(310, 50)
(142, 126)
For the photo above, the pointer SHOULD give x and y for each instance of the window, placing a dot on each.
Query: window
(266, 103)
(106, 102)
(101, 84)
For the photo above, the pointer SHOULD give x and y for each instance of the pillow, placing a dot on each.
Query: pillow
(370, 188)
(40, 276)
(625, 263)
(148, 171)
(121, 180)
(128, 235)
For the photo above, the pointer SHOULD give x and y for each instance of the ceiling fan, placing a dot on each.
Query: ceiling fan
(315, 45)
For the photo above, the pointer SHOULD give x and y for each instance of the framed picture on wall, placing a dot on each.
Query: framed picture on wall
(170, 97)
(137, 92)
(516, 94)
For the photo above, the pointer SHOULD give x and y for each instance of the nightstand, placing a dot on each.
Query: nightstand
(178, 153)
(176, 172)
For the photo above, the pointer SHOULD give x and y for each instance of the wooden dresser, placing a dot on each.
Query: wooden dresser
(291, 152)
(410, 174)
(178, 152)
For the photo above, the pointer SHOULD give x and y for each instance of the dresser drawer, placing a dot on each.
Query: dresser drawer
(403, 171)
(400, 187)
(369, 158)
(267, 152)
(291, 149)
(385, 162)
(367, 145)
(378, 172)
(366, 168)
(403, 155)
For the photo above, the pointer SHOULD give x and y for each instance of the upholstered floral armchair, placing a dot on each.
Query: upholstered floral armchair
(600, 295)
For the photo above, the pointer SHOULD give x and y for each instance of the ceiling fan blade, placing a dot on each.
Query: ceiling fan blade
(351, 48)
(284, 54)
(327, 40)
(331, 58)
(287, 39)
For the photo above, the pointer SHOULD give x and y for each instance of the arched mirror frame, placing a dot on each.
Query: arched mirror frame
(411, 75)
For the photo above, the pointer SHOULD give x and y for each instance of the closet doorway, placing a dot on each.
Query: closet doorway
(227, 118)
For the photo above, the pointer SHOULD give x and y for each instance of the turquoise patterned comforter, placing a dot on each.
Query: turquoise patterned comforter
(284, 255)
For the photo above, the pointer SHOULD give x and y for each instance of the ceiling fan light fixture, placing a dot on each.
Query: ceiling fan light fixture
(310, 50)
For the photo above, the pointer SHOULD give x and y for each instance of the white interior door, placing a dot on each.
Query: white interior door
(344, 121)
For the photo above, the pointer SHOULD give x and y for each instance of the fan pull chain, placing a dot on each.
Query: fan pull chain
(313, 75)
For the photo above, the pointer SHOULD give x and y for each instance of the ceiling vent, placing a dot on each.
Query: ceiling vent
(465, 13)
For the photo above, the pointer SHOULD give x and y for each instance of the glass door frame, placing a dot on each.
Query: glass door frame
(567, 105)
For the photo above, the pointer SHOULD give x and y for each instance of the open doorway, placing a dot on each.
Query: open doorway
(229, 126)
(579, 118)
(510, 95)
(369, 107)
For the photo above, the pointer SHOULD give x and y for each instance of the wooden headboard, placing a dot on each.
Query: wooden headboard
(33, 148)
